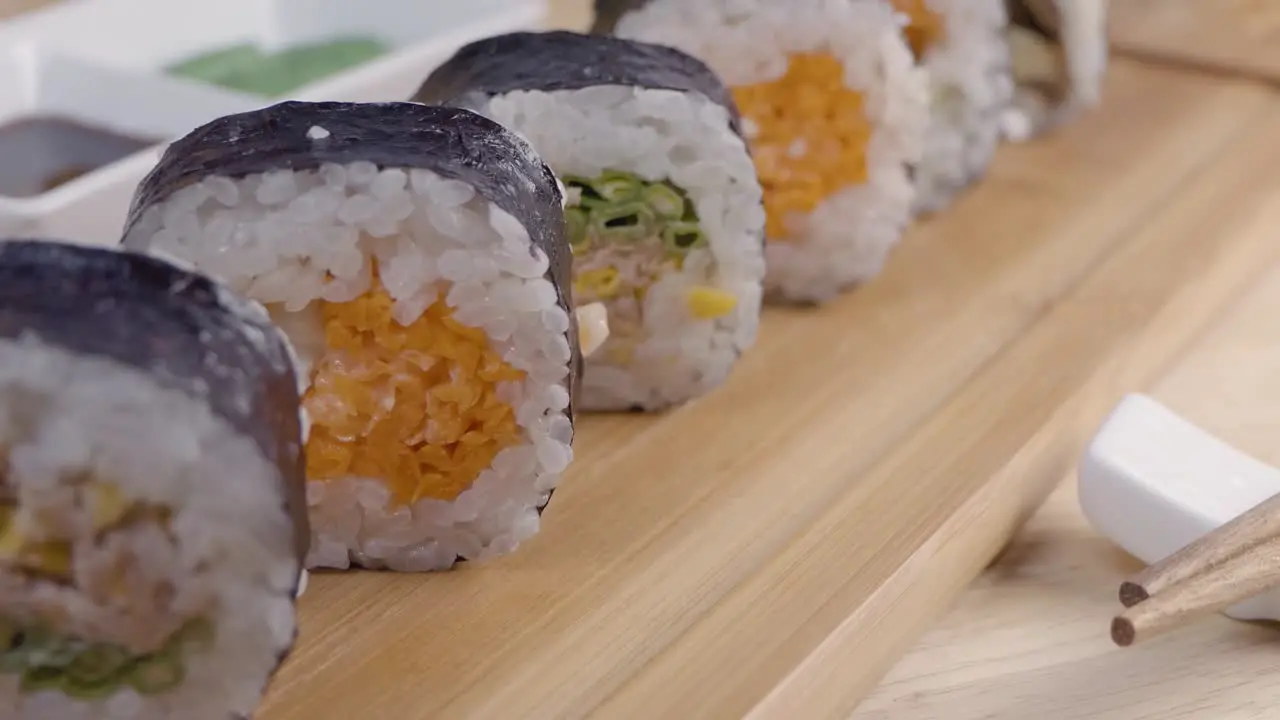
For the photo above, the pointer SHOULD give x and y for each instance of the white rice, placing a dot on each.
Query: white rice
(273, 237)
(1084, 40)
(971, 87)
(63, 415)
(848, 237)
(685, 139)
(1072, 67)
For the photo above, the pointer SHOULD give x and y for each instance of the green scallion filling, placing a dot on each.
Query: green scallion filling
(88, 671)
(621, 207)
(628, 234)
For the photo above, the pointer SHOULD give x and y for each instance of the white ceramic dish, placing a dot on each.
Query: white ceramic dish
(1153, 482)
(37, 82)
(101, 62)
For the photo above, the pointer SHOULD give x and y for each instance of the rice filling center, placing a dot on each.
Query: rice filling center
(626, 234)
(128, 632)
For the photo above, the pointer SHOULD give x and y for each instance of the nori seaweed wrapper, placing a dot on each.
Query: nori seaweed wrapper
(177, 327)
(562, 60)
(451, 142)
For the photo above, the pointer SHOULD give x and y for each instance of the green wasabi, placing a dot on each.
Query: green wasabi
(248, 69)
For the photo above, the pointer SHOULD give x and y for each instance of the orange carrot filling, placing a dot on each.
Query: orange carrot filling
(925, 27)
(414, 406)
(811, 139)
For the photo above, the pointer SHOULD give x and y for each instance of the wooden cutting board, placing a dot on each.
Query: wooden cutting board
(1231, 36)
(771, 549)
(1030, 638)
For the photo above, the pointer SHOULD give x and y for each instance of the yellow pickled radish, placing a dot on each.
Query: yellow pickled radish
(11, 543)
(621, 352)
(50, 558)
(708, 303)
(107, 505)
(601, 282)
(593, 327)
(12, 536)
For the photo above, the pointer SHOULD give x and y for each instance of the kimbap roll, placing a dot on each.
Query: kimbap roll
(834, 109)
(417, 258)
(664, 209)
(152, 498)
(1059, 54)
(963, 46)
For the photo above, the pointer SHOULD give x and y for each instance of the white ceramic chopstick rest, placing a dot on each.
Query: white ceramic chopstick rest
(1152, 482)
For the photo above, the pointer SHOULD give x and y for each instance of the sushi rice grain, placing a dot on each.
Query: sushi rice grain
(152, 512)
(835, 110)
(416, 258)
(643, 120)
(962, 45)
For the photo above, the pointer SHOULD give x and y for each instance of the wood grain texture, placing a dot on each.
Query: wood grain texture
(663, 522)
(982, 461)
(569, 14)
(1236, 579)
(1258, 525)
(1030, 639)
(1238, 37)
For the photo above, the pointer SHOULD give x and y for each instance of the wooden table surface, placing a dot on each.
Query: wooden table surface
(739, 558)
(1240, 37)
(1029, 639)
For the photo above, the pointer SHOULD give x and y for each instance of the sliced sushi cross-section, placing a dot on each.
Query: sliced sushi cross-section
(152, 499)
(835, 111)
(1059, 55)
(417, 258)
(663, 208)
(962, 45)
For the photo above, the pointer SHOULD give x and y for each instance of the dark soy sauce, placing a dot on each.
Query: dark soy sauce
(38, 154)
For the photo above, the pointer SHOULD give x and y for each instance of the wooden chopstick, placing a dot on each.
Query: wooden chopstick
(1259, 524)
(1232, 580)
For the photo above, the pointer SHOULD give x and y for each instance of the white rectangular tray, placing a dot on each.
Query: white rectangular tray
(101, 62)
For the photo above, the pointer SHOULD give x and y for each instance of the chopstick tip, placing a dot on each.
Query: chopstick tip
(1131, 593)
(1122, 632)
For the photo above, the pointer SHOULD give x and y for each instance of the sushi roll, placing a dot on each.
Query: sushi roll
(664, 209)
(417, 258)
(152, 500)
(835, 111)
(1060, 55)
(962, 44)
